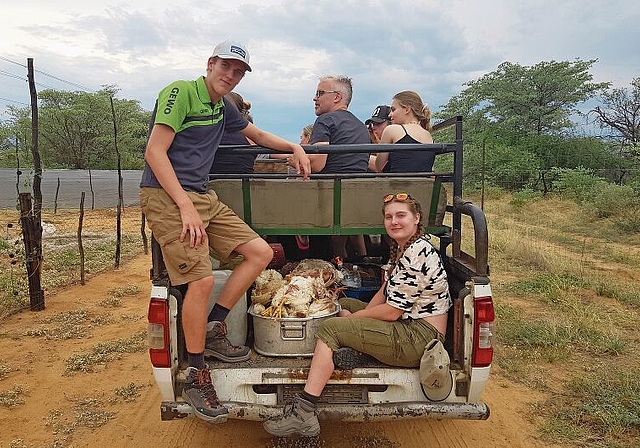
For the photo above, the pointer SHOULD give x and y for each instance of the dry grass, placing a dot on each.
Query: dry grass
(61, 255)
(567, 318)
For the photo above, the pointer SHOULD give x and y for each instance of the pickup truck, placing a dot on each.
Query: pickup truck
(258, 388)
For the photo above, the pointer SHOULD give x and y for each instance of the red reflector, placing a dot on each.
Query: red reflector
(483, 307)
(159, 358)
(158, 312)
(483, 332)
(159, 333)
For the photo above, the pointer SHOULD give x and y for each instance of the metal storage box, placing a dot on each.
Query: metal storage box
(287, 337)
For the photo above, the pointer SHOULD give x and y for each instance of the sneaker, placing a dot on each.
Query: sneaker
(300, 417)
(218, 346)
(347, 358)
(199, 392)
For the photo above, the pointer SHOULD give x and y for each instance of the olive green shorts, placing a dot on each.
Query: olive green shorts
(398, 343)
(225, 231)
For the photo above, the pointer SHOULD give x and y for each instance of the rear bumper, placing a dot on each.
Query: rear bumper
(347, 412)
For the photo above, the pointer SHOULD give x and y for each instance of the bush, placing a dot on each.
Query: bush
(506, 166)
(578, 184)
(629, 221)
(521, 198)
(611, 200)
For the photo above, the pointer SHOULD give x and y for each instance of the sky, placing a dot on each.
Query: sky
(430, 46)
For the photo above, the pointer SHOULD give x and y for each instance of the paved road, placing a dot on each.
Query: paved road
(72, 184)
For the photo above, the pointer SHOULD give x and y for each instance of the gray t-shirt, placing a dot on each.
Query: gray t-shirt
(341, 127)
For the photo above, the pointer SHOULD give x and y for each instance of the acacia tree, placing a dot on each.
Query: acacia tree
(620, 112)
(15, 141)
(526, 107)
(77, 128)
(524, 101)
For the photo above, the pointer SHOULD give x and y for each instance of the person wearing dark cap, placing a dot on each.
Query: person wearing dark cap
(378, 121)
(188, 220)
(376, 124)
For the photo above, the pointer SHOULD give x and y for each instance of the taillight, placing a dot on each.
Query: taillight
(158, 333)
(483, 332)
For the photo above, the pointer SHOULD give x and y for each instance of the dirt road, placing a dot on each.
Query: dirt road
(117, 404)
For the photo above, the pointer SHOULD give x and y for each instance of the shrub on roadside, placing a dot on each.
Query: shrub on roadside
(612, 200)
(579, 184)
(604, 199)
(523, 197)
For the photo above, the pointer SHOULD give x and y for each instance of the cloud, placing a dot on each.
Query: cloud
(432, 47)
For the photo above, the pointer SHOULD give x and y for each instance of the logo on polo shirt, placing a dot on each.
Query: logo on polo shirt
(171, 101)
(238, 51)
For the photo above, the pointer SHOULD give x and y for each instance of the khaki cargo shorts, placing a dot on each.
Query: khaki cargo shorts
(225, 231)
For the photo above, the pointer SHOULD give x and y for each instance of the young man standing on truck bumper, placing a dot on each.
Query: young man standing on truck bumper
(187, 220)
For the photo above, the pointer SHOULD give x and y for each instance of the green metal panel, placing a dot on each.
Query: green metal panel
(230, 192)
(291, 203)
(325, 207)
(362, 198)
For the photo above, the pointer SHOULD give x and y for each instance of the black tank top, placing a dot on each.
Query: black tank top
(409, 160)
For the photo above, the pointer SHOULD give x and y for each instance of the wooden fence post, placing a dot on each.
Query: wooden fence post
(32, 234)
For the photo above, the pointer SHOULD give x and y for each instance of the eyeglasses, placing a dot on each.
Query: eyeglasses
(319, 93)
(398, 196)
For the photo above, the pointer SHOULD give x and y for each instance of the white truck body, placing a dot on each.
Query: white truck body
(258, 388)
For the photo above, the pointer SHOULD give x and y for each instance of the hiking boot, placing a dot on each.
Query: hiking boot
(218, 346)
(199, 392)
(347, 358)
(300, 417)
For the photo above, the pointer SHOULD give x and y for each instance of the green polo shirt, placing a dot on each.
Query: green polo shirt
(185, 106)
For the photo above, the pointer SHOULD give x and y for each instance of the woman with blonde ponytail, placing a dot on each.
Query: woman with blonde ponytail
(411, 124)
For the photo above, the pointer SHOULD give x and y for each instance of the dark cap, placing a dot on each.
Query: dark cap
(379, 115)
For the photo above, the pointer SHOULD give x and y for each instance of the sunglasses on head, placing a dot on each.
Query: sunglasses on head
(398, 196)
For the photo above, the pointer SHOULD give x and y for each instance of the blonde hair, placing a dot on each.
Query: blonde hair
(395, 251)
(409, 98)
(306, 131)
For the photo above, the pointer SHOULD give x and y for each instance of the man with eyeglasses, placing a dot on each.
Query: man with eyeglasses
(336, 125)
(188, 220)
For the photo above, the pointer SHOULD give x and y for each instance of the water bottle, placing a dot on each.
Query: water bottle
(356, 280)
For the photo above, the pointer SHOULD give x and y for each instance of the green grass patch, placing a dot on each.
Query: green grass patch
(524, 197)
(87, 413)
(105, 352)
(547, 286)
(599, 409)
(60, 267)
(111, 302)
(554, 341)
(124, 291)
(614, 291)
